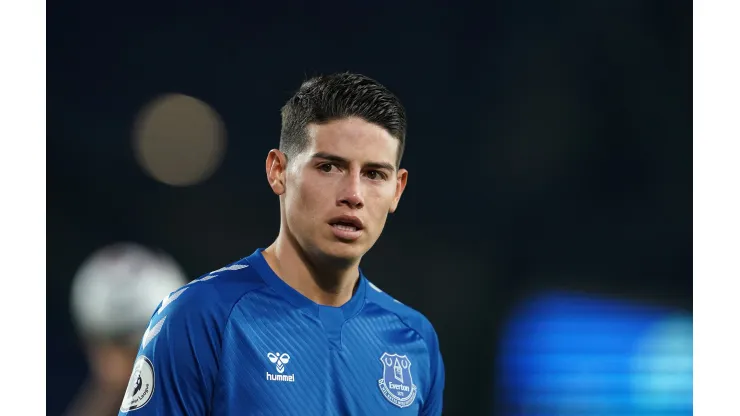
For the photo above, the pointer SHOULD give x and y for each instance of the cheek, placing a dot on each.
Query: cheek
(383, 199)
(303, 203)
(309, 196)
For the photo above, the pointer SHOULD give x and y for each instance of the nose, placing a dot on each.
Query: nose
(351, 193)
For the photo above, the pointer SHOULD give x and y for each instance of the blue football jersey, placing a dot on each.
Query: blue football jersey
(240, 341)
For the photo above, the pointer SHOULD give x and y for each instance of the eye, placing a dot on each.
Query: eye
(375, 175)
(326, 167)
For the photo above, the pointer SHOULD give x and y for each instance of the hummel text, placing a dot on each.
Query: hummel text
(280, 377)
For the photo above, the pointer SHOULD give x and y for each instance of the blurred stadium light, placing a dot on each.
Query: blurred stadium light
(567, 354)
(179, 140)
(117, 288)
(114, 293)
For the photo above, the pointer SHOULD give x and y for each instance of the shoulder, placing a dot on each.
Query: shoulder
(408, 315)
(213, 294)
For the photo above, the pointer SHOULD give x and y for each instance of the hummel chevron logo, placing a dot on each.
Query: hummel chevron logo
(170, 298)
(213, 274)
(152, 332)
(280, 360)
(232, 267)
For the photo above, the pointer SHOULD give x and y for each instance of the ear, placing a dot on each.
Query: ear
(276, 166)
(401, 179)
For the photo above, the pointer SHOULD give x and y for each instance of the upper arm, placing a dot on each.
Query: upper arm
(433, 402)
(175, 369)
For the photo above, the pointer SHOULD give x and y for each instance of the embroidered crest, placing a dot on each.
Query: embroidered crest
(396, 385)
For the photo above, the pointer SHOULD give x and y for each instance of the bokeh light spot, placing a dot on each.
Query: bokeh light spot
(179, 140)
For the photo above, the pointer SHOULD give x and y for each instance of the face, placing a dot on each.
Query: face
(336, 195)
(111, 363)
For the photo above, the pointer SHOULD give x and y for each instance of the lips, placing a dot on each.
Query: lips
(346, 228)
(347, 222)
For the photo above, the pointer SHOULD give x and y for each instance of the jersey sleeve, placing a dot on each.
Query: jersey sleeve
(176, 366)
(433, 403)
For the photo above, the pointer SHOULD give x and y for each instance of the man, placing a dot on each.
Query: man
(112, 297)
(296, 328)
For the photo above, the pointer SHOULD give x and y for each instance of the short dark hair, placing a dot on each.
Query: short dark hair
(332, 97)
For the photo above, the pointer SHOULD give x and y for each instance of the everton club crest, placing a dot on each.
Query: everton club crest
(396, 384)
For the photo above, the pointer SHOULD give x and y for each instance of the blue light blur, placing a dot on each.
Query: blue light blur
(567, 354)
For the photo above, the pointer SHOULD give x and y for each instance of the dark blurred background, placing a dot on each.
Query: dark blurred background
(550, 186)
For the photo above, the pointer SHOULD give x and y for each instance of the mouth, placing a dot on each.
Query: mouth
(347, 227)
(347, 223)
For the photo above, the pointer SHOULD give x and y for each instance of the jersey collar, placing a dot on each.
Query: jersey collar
(349, 309)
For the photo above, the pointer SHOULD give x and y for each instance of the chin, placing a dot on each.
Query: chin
(337, 250)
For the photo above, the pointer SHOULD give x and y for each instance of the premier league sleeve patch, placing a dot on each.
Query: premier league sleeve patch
(396, 385)
(140, 386)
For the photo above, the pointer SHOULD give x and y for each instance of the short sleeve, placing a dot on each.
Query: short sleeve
(433, 403)
(175, 369)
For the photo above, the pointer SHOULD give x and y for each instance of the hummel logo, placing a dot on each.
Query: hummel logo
(170, 298)
(229, 268)
(152, 332)
(214, 273)
(279, 360)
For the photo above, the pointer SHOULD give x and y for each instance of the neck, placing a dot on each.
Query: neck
(325, 282)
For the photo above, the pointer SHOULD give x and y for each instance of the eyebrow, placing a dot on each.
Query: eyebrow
(340, 160)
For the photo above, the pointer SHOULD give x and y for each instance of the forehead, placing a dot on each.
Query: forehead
(353, 138)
